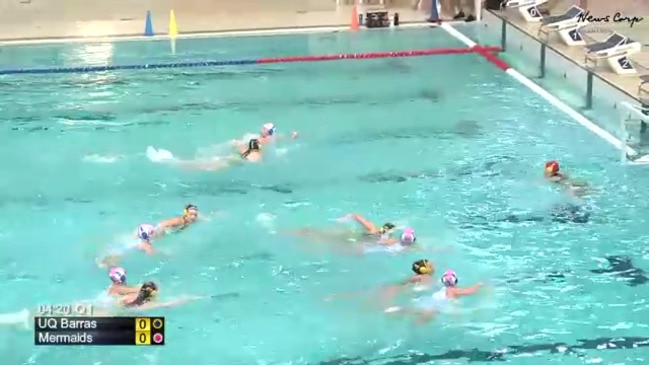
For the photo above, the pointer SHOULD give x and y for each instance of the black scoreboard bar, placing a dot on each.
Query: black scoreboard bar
(74, 331)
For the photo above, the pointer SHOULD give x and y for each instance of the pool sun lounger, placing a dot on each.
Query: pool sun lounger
(616, 49)
(567, 25)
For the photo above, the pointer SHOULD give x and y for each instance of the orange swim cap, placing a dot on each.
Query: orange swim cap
(551, 167)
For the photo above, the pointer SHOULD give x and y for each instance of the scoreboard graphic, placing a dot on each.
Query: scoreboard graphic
(75, 331)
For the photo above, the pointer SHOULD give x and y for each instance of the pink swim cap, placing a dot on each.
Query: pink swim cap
(408, 236)
(449, 278)
(117, 275)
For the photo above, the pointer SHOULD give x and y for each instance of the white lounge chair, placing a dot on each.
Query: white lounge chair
(527, 8)
(567, 25)
(616, 50)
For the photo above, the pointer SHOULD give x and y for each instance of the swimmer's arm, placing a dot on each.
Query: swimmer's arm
(467, 291)
(285, 138)
(415, 279)
(388, 241)
(367, 225)
(124, 290)
(146, 247)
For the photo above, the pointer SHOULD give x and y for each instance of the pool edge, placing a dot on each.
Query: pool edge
(204, 34)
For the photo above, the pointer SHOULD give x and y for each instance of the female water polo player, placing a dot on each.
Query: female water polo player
(249, 153)
(189, 217)
(387, 234)
(143, 299)
(144, 235)
(373, 239)
(118, 285)
(370, 231)
(425, 308)
(421, 280)
(554, 174)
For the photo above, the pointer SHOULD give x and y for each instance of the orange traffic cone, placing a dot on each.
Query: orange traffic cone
(354, 24)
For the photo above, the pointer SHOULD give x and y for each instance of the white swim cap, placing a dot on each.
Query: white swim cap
(270, 128)
(117, 275)
(145, 231)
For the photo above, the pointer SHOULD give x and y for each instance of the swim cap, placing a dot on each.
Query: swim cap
(150, 288)
(449, 278)
(145, 231)
(408, 236)
(147, 291)
(422, 267)
(552, 167)
(190, 207)
(117, 275)
(270, 128)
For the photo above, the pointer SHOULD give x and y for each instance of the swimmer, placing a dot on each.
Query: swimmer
(391, 244)
(142, 299)
(189, 217)
(268, 134)
(419, 281)
(248, 153)
(118, 285)
(554, 174)
(370, 228)
(427, 307)
(370, 231)
(144, 236)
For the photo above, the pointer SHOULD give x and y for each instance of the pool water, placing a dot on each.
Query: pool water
(445, 144)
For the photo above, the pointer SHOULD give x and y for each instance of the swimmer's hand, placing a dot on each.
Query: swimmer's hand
(346, 218)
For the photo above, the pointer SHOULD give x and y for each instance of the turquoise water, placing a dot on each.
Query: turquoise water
(433, 142)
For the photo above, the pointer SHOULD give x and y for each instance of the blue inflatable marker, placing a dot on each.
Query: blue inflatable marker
(148, 26)
(434, 12)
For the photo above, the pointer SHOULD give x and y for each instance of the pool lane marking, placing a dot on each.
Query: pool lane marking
(579, 118)
(243, 62)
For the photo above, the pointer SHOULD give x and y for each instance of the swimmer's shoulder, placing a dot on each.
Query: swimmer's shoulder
(171, 222)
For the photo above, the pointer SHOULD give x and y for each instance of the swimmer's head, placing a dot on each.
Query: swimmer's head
(449, 278)
(253, 145)
(190, 213)
(408, 236)
(117, 275)
(551, 168)
(268, 129)
(148, 290)
(423, 267)
(145, 232)
(387, 227)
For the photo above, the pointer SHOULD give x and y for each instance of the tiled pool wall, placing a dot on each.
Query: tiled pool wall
(563, 77)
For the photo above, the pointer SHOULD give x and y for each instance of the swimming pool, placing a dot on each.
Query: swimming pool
(446, 144)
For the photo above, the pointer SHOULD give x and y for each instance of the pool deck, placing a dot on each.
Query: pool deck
(598, 32)
(52, 19)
